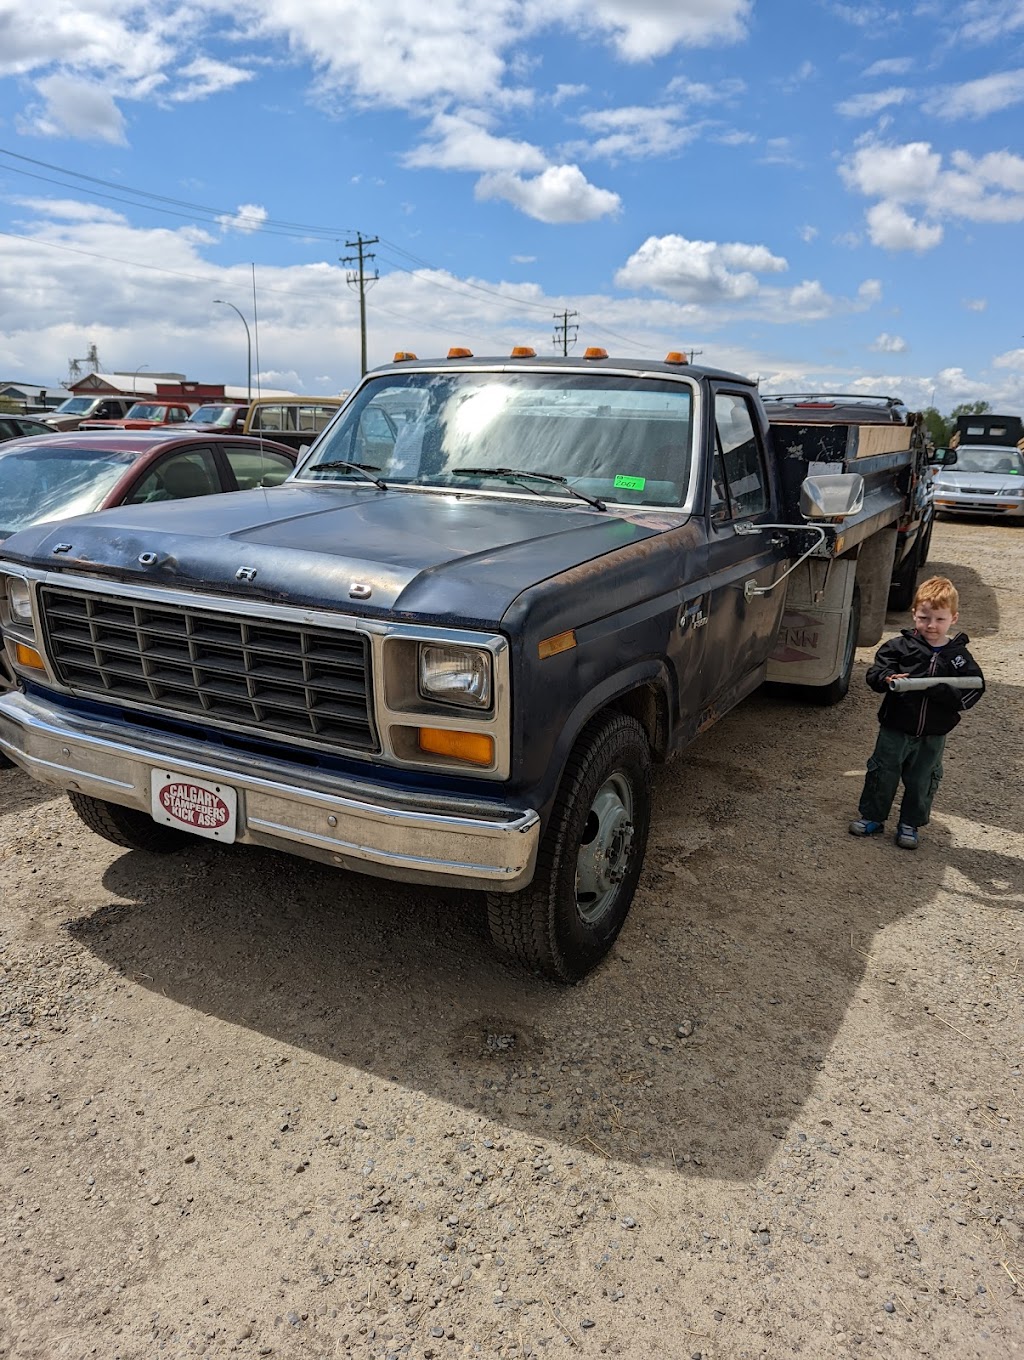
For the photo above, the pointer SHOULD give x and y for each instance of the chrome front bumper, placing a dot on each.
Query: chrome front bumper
(415, 837)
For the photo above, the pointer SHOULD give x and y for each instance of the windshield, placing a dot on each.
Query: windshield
(74, 406)
(143, 410)
(618, 437)
(989, 460)
(213, 415)
(43, 484)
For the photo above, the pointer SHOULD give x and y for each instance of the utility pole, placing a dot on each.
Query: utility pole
(694, 353)
(562, 336)
(359, 279)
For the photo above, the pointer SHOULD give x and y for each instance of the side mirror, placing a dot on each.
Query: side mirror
(832, 496)
(943, 458)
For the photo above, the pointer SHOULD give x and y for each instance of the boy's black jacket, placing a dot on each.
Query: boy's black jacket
(931, 712)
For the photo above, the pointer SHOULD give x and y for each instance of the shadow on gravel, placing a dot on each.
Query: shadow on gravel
(754, 925)
(18, 792)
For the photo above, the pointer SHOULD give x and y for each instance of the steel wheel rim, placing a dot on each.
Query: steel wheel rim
(605, 846)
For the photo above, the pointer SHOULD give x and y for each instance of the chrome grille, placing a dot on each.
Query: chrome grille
(310, 683)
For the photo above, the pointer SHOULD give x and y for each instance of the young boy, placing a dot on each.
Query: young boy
(914, 725)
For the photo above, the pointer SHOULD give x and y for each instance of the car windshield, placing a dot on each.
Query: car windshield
(1005, 461)
(74, 406)
(620, 437)
(143, 410)
(213, 415)
(43, 484)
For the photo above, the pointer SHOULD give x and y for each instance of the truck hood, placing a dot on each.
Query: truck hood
(454, 559)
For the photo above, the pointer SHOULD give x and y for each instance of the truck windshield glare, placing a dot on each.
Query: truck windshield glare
(618, 438)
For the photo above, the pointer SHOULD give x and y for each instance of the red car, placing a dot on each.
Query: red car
(58, 475)
(144, 415)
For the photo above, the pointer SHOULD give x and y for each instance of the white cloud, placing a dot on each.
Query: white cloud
(564, 92)
(893, 228)
(808, 234)
(988, 188)
(985, 21)
(562, 193)
(1012, 359)
(462, 142)
(869, 103)
(70, 210)
(870, 291)
(975, 304)
(698, 271)
(524, 259)
(890, 66)
(642, 29)
(699, 92)
(75, 108)
(249, 218)
(889, 344)
(734, 138)
(204, 77)
(977, 98)
(635, 133)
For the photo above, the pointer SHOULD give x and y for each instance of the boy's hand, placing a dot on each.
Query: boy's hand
(890, 678)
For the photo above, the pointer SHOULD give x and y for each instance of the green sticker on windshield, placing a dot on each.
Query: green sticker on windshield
(630, 483)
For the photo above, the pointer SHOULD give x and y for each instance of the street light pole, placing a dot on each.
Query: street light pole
(248, 340)
(135, 380)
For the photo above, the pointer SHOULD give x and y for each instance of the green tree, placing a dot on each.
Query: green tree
(935, 424)
(968, 408)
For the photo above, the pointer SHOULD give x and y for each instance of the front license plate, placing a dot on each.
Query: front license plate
(196, 805)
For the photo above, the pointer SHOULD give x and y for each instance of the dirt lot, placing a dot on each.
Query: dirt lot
(252, 1106)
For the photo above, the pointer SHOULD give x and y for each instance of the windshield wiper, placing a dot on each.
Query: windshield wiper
(516, 473)
(365, 469)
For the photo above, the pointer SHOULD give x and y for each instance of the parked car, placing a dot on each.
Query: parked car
(226, 417)
(987, 480)
(295, 421)
(19, 427)
(55, 476)
(144, 415)
(70, 414)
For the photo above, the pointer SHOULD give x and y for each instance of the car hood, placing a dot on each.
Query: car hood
(990, 482)
(455, 559)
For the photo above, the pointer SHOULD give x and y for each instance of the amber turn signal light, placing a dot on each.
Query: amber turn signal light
(675, 356)
(402, 356)
(457, 352)
(475, 747)
(595, 352)
(523, 352)
(28, 656)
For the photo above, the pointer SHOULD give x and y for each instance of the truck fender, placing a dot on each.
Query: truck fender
(644, 690)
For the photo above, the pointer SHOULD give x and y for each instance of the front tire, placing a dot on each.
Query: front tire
(126, 826)
(589, 860)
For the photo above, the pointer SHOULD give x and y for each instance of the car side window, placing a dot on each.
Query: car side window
(178, 477)
(255, 467)
(739, 466)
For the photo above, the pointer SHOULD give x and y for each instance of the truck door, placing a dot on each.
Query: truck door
(740, 633)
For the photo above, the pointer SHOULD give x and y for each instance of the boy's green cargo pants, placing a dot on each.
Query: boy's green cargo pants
(915, 760)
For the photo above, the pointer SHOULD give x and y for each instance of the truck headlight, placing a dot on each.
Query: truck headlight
(455, 675)
(19, 601)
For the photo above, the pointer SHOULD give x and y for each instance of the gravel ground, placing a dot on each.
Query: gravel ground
(254, 1106)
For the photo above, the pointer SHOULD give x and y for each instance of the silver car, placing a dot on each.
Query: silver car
(986, 480)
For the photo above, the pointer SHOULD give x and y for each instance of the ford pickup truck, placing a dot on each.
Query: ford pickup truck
(144, 415)
(451, 646)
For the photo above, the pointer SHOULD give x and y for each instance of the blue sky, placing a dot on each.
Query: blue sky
(827, 195)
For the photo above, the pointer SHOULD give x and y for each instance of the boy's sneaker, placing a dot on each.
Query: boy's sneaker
(906, 836)
(863, 827)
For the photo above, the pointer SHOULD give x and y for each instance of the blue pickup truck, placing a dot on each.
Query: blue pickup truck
(451, 646)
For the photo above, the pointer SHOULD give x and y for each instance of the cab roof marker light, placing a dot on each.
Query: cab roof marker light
(403, 356)
(523, 352)
(458, 352)
(595, 352)
(676, 356)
